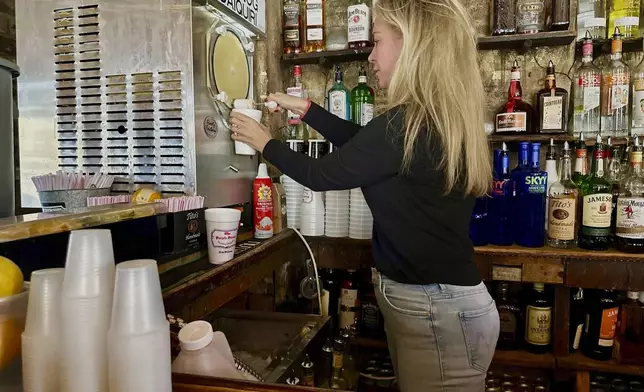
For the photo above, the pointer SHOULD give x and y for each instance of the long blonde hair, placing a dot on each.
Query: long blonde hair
(438, 83)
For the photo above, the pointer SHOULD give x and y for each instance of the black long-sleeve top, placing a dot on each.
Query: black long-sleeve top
(420, 235)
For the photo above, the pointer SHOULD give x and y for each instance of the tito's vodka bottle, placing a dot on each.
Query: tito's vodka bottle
(362, 100)
(597, 202)
(614, 95)
(563, 199)
(586, 83)
(530, 201)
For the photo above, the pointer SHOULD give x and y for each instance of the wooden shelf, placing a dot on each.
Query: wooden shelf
(331, 56)
(524, 42)
(545, 138)
(524, 359)
(513, 42)
(578, 361)
(370, 342)
(602, 46)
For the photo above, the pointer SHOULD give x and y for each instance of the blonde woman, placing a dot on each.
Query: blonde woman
(421, 164)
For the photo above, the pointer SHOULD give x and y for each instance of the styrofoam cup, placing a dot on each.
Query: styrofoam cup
(222, 225)
(243, 148)
(138, 303)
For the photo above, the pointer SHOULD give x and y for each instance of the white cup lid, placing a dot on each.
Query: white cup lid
(196, 335)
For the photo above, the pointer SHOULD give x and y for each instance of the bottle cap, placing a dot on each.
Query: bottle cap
(538, 286)
(196, 335)
(632, 295)
(262, 172)
(641, 297)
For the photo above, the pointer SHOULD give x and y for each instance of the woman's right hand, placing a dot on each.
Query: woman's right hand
(295, 104)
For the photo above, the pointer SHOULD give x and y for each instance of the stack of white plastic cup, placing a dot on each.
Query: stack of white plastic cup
(41, 338)
(312, 221)
(360, 218)
(337, 214)
(222, 225)
(86, 305)
(294, 191)
(139, 333)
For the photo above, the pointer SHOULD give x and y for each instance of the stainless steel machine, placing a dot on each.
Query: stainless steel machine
(130, 88)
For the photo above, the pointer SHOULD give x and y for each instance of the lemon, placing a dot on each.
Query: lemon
(11, 279)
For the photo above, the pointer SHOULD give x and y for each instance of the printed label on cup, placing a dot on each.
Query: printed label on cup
(307, 196)
(224, 241)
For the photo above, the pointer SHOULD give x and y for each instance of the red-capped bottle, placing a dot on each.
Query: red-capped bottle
(263, 204)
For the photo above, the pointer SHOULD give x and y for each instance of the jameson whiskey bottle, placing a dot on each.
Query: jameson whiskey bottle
(629, 222)
(601, 325)
(597, 204)
(362, 99)
(563, 198)
(538, 321)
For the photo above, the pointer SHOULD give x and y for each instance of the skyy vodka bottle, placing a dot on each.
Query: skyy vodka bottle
(530, 201)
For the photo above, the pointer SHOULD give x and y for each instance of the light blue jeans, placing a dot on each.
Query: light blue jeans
(441, 337)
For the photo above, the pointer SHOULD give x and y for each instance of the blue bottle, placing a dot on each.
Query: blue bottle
(479, 224)
(530, 201)
(500, 204)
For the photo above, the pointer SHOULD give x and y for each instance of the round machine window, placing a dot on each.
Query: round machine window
(230, 66)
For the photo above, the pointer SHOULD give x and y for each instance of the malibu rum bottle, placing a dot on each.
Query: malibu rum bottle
(614, 93)
(597, 204)
(362, 100)
(552, 105)
(338, 98)
(563, 200)
(629, 222)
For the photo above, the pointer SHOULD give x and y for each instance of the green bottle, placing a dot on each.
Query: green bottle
(362, 97)
(338, 98)
(597, 204)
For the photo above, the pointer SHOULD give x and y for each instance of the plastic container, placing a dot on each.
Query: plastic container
(13, 311)
(41, 338)
(204, 352)
(222, 225)
(243, 148)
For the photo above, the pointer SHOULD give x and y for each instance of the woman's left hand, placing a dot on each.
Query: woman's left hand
(245, 129)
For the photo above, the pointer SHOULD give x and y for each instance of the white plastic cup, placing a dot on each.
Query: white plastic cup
(138, 303)
(243, 148)
(312, 202)
(222, 225)
(43, 311)
(89, 267)
(40, 364)
(140, 363)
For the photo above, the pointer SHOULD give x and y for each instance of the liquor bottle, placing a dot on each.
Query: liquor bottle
(337, 379)
(371, 321)
(338, 97)
(296, 129)
(479, 223)
(629, 223)
(553, 173)
(597, 201)
(359, 24)
(560, 15)
(516, 115)
(563, 201)
(349, 308)
(324, 378)
(577, 319)
(552, 105)
(601, 324)
(637, 124)
(581, 161)
(510, 318)
(592, 18)
(331, 282)
(614, 92)
(292, 26)
(350, 370)
(308, 372)
(503, 17)
(530, 201)
(625, 14)
(586, 93)
(362, 100)
(531, 16)
(613, 174)
(538, 320)
(314, 26)
(629, 343)
(500, 204)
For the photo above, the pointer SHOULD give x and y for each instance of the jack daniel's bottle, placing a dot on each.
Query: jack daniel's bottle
(515, 116)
